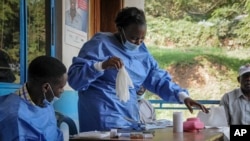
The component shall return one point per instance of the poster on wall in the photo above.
(76, 22)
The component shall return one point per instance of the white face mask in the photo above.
(128, 45)
(140, 97)
(54, 97)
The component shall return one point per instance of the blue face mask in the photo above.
(46, 102)
(128, 45)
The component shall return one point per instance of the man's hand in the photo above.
(190, 103)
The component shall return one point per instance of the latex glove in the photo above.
(123, 82)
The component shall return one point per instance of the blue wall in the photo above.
(67, 105)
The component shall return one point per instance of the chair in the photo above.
(70, 122)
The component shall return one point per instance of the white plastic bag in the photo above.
(215, 118)
(123, 82)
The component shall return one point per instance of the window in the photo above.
(22, 38)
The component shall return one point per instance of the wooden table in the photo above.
(168, 135)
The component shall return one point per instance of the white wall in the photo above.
(135, 3)
(72, 39)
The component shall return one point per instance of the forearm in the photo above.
(82, 73)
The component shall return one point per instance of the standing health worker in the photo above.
(93, 74)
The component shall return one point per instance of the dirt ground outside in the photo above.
(205, 80)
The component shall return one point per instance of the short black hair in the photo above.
(130, 15)
(46, 69)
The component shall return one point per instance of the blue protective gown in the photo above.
(22, 121)
(99, 108)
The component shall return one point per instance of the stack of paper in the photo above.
(93, 134)
(163, 123)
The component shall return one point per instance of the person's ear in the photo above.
(238, 79)
(45, 87)
(119, 29)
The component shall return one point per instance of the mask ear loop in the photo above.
(44, 96)
(45, 101)
(121, 39)
(121, 32)
(45, 91)
(124, 34)
(51, 90)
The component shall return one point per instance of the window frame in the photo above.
(6, 87)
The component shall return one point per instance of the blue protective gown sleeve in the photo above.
(160, 82)
(22, 121)
(99, 108)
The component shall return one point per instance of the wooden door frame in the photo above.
(102, 15)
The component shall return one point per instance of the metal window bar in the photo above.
(161, 104)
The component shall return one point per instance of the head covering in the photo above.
(244, 69)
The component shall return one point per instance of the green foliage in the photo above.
(36, 26)
(213, 23)
(10, 28)
(180, 33)
(9, 23)
(241, 32)
(166, 57)
(165, 8)
(247, 5)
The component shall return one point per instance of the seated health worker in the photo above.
(28, 113)
(93, 74)
(146, 110)
(237, 102)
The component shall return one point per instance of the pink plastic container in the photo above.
(193, 125)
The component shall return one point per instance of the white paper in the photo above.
(93, 134)
(162, 123)
(226, 132)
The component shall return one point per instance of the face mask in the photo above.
(128, 45)
(54, 97)
(140, 97)
(46, 102)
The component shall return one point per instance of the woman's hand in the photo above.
(113, 62)
(192, 103)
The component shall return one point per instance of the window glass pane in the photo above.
(10, 36)
(9, 41)
(36, 28)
